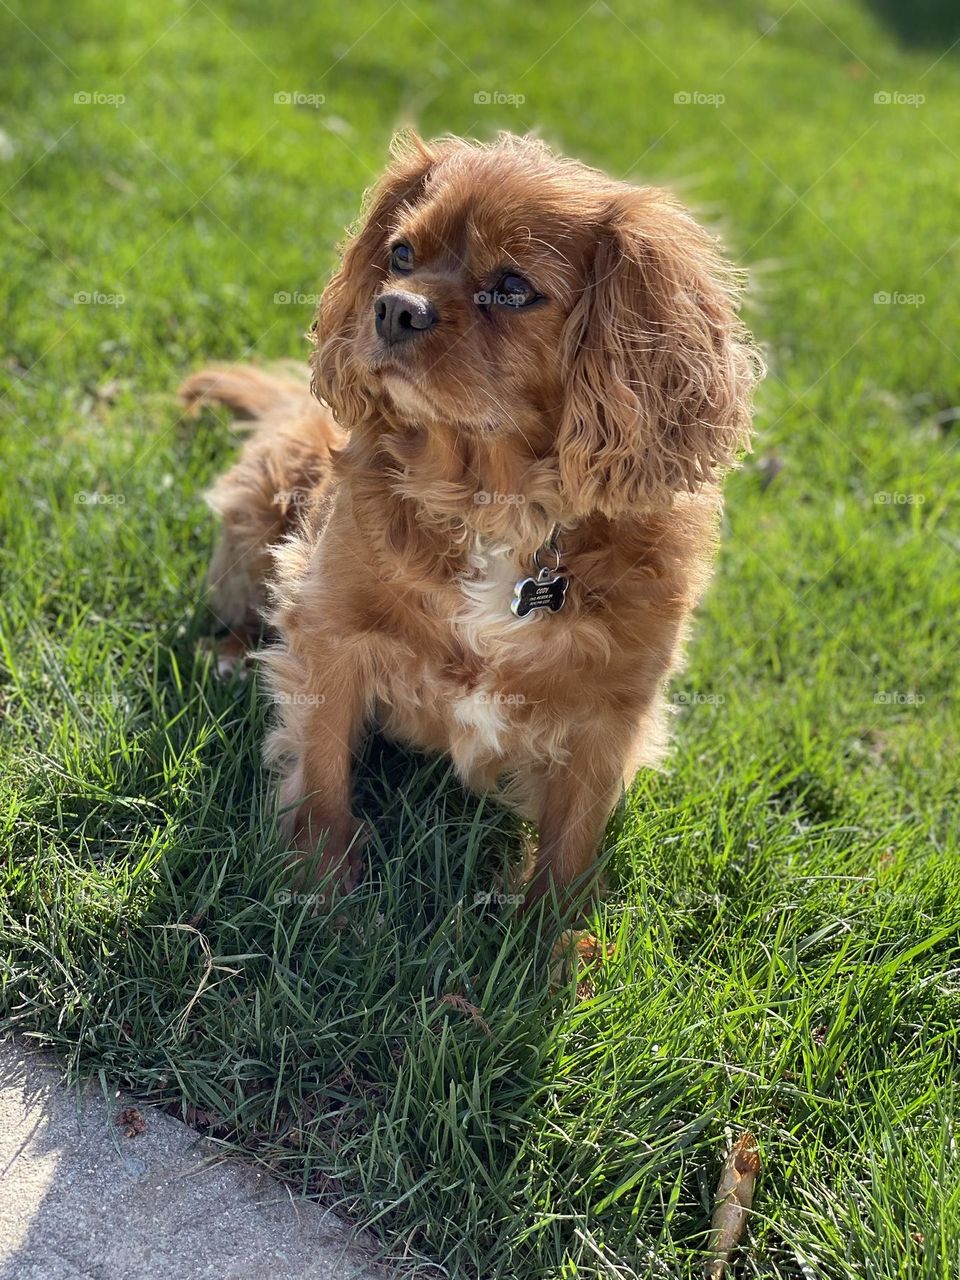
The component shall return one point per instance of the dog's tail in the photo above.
(280, 483)
(249, 392)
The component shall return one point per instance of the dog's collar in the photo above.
(548, 590)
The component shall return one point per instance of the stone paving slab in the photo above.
(79, 1200)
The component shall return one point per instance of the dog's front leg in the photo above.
(321, 698)
(574, 801)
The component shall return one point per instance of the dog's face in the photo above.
(466, 324)
(508, 292)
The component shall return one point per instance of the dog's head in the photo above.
(508, 292)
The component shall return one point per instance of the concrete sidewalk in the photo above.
(79, 1199)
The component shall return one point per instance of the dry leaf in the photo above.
(585, 951)
(131, 1122)
(202, 1118)
(732, 1204)
(462, 1004)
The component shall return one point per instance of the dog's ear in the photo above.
(658, 368)
(336, 378)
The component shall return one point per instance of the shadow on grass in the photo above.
(933, 24)
(394, 1054)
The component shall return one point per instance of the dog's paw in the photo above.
(232, 654)
(326, 865)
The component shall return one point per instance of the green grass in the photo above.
(786, 895)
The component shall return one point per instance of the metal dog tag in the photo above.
(547, 590)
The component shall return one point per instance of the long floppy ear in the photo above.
(659, 370)
(336, 377)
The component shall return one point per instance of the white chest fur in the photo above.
(487, 713)
(485, 622)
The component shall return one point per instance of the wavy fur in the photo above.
(609, 408)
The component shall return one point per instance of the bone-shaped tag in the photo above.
(547, 590)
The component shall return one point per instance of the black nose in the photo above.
(403, 315)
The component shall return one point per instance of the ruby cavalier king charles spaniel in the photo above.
(484, 522)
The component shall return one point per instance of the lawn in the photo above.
(785, 896)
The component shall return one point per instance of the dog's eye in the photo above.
(401, 258)
(514, 291)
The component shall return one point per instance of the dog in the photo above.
(485, 522)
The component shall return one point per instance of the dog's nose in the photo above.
(403, 315)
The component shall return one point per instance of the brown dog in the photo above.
(491, 541)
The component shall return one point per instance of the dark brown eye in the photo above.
(517, 291)
(513, 291)
(401, 258)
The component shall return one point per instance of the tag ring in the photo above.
(549, 545)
